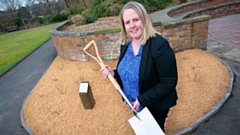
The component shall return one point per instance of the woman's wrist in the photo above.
(111, 72)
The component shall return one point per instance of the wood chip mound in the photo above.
(54, 106)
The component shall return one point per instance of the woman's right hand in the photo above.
(106, 70)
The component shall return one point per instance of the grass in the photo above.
(17, 45)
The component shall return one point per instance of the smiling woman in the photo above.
(133, 24)
(16, 46)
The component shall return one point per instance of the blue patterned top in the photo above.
(128, 70)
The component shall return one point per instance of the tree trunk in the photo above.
(23, 23)
(84, 3)
(68, 6)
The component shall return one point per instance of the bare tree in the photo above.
(7, 15)
(29, 5)
(14, 5)
(84, 3)
(10, 3)
(52, 5)
(30, 2)
(67, 2)
(21, 16)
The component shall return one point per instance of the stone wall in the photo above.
(180, 25)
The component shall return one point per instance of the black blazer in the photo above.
(157, 75)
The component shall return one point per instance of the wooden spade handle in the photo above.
(98, 59)
(100, 62)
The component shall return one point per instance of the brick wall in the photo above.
(219, 11)
(196, 5)
(182, 34)
(181, 37)
(186, 35)
(71, 47)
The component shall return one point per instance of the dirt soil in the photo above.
(54, 105)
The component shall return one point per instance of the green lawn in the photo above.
(15, 46)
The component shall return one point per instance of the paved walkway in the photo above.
(224, 37)
(16, 84)
(224, 43)
(227, 120)
(225, 30)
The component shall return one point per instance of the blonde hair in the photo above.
(148, 31)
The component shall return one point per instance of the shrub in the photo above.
(36, 19)
(103, 8)
(86, 12)
(76, 9)
(56, 18)
(88, 19)
(2, 28)
(15, 21)
(155, 5)
(77, 19)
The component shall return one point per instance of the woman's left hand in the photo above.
(106, 70)
(135, 105)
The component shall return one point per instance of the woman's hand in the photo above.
(106, 70)
(135, 105)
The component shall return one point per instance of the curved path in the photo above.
(224, 42)
(16, 84)
(227, 120)
(225, 30)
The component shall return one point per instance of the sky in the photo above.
(23, 2)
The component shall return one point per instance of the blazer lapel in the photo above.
(122, 51)
(143, 64)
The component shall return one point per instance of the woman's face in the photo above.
(133, 24)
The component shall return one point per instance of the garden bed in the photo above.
(54, 105)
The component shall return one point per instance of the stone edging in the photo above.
(56, 32)
(24, 125)
(162, 15)
(187, 14)
(187, 130)
(215, 109)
